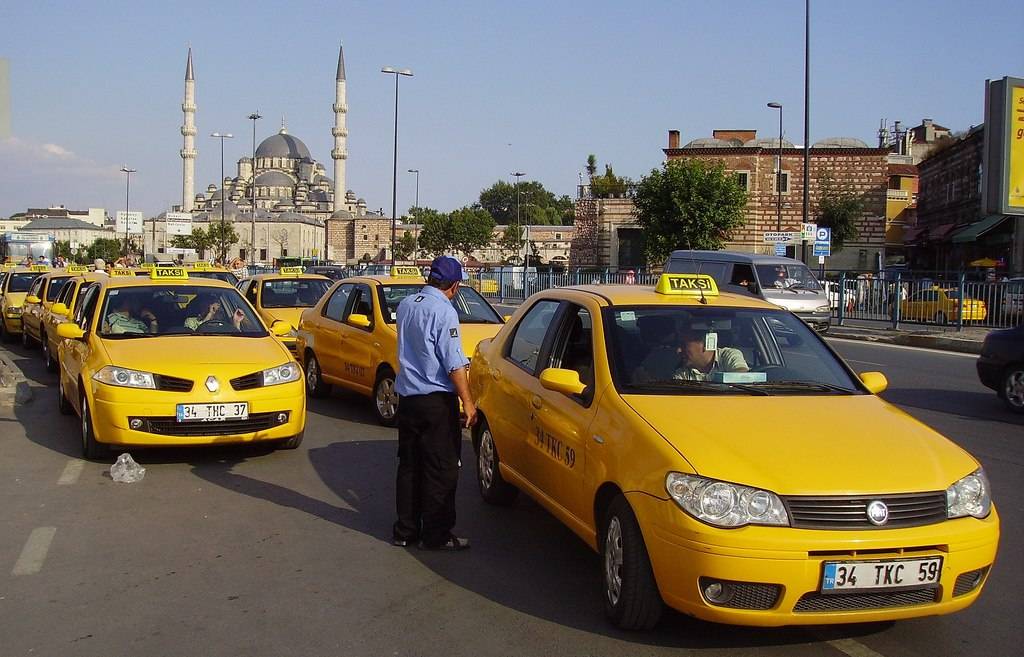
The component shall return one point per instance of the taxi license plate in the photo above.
(213, 412)
(895, 574)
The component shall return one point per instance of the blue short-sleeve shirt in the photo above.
(429, 343)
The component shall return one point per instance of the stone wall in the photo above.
(950, 183)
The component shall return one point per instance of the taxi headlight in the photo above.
(14, 311)
(281, 374)
(722, 504)
(971, 496)
(124, 377)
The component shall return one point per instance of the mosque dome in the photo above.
(274, 179)
(840, 142)
(283, 145)
(711, 142)
(767, 143)
(341, 214)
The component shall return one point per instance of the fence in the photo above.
(924, 298)
(514, 285)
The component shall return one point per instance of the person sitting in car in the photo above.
(125, 317)
(207, 308)
(698, 362)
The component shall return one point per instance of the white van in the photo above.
(783, 281)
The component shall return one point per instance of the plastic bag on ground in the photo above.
(126, 471)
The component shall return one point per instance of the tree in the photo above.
(511, 241)
(689, 204)
(536, 204)
(472, 229)
(436, 235)
(199, 239)
(222, 237)
(591, 166)
(62, 248)
(609, 185)
(405, 247)
(281, 238)
(839, 210)
(107, 248)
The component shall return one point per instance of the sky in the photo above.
(530, 86)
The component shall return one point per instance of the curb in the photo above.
(14, 389)
(926, 341)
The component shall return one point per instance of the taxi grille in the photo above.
(811, 602)
(169, 426)
(968, 581)
(172, 383)
(248, 382)
(850, 512)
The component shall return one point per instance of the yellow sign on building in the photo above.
(1015, 186)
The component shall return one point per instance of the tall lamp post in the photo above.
(778, 172)
(807, 119)
(254, 117)
(415, 217)
(394, 176)
(223, 191)
(127, 188)
(519, 224)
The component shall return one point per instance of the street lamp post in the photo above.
(394, 175)
(519, 223)
(415, 217)
(223, 191)
(254, 117)
(127, 188)
(778, 172)
(807, 120)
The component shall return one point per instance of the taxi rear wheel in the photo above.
(631, 598)
(51, 363)
(63, 404)
(26, 339)
(293, 442)
(1013, 388)
(940, 318)
(5, 335)
(493, 488)
(91, 449)
(315, 385)
(385, 399)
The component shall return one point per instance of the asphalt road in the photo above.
(232, 551)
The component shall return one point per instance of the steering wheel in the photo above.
(217, 326)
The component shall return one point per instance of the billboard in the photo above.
(179, 223)
(128, 222)
(1003, 159)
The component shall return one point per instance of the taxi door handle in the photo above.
(537, 401)
(376, 345)
(495, 374)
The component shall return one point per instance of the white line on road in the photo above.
(865, 362)
(34, 553)
(868, 343)
(853, 648)
(71, 472)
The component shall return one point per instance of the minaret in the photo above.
(188, 131)
(339, 154)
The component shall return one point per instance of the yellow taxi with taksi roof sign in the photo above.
(41, 295)
(144, 363)
(284, 296)
(13, 290)
(349, 338)
(723, 460)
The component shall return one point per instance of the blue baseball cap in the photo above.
(446, 269)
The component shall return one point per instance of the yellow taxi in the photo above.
(195, 270)
(284, 296)
(349, 338)
(143, 363)
(724, 461)
(62, 308)
(13, 290)
(41, 295)
(941, 305)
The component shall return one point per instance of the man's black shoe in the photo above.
(453, 544)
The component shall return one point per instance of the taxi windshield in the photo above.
(707, 350)
(468, 303)
(293, 292)
(56, 285)
(21, 282)
(225, 276)
(155, 310)
(787, 277)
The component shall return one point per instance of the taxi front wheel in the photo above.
(385, 399)
(493, 488)
(63, 403)
(293, 442)
(631, 598)
(91, 449)
(315, 385)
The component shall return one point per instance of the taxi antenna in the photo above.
(697, 266)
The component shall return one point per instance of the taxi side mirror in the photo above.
(280, 329)
(875, 382)
(360, 321)
(32, 299)
(70, 331)
(506, 318)
(566, 382)
(59, 309)
(752, 288)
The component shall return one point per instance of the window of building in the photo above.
(784, 178)
(242, 254)
(284, 252)
(743, 178)
(263, 254)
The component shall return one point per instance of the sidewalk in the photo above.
(967, 341)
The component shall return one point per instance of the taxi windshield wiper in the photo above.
(121, 336)
(813, 386)
(701, 387)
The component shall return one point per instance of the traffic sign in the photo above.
(823, 241)
(128, 222)
(823, 234)
(178, 223)
(780, 249)
(771, 237)
(809, 231)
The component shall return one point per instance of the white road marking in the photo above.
(853, 648)
(71, 472)
(869, 343)
(34, 553)
(865, 362)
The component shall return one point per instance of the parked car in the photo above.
(1001, 366)
(942, 305)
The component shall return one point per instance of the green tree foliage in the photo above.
(591, 166)
(464, 231)
(405, 246)
(839, 210)
(609, 185)
(436, 232)
(63, 248)
(511, 242)
(106, 248)
(688, 204)
(198, 240)
(537, 205)
(222, 237)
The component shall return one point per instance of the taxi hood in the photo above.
(472, 334)
(165, 354)
(290, 315)
(806, 445)
(15, 299)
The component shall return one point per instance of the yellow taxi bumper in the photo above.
(125, 416)
(12, 324)
(775, 573)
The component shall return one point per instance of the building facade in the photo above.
(81, 234)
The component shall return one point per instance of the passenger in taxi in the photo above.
(698, 362)
(125, 317)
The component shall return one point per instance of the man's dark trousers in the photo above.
(429, 445)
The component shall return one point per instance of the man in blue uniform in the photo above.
(432, 378)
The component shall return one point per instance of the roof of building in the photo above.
(902, 170)
(283, 145)
(341, 63)
(711, 142)
(274, 179)
(59, 223)
(769, 142)
(189, 75)
(839, 142)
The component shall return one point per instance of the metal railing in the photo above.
(514, 285)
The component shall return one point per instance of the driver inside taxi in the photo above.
(208, 309)
(698, 362)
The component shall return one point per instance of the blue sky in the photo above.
(498, 87)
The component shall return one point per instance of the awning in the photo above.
(940, 232)
(911, 234)
(977, 229)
